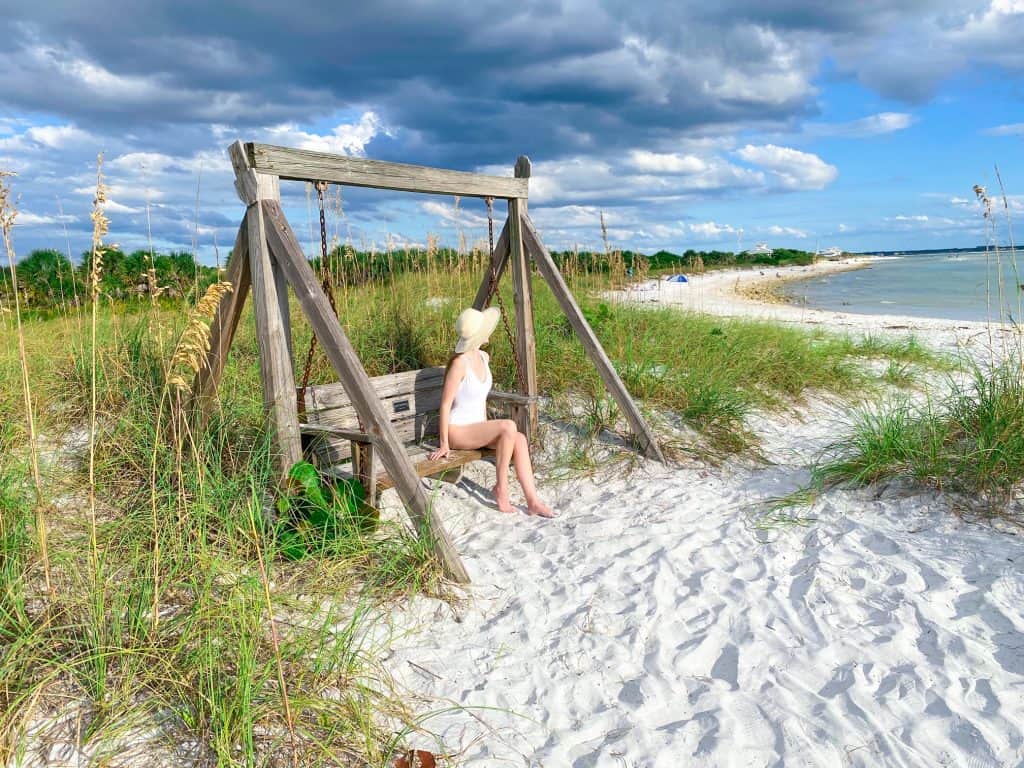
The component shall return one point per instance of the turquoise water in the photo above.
(942, 285)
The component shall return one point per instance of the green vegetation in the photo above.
(970, 442)
(48, 280)
(698, 260)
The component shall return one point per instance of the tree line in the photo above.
(47, 278)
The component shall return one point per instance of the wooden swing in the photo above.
(330, 427)
(371, 420)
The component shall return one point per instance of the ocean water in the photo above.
(952, 286)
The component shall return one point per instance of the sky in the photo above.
(798, 123)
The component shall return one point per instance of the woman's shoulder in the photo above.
(457, 365)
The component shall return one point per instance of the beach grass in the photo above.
(968, 441)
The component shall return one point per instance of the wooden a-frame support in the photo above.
(267, 258)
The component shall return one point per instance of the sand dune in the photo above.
(656, 624)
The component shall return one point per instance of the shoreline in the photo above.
(769, 289)
(753, 294)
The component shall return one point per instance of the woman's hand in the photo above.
(440, 453)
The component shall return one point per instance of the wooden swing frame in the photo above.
(267, 259)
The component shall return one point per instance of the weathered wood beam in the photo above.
(272, 332)
(495, 269)
(526, 345)
(346, 363)
(305, 165)
(645, 437)
(223, 327)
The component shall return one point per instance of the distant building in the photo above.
(761, 249)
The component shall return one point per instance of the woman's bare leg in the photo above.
(510, 446)
(524, 471)
(498, 434)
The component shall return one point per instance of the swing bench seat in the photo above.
(333, 438)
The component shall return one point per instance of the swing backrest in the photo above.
(412, 399)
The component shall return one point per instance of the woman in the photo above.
(463, 419)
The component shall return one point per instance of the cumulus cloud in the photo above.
(450, 215)
(792, 168)
(711, 230)
(39, 138)
(29, 219)
(344, 139)
(921, 222)
(665, 162)
(779, 231)
(865, 127)
(1009, 129)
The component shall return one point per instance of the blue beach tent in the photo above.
(677, 279)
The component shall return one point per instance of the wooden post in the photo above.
(336, 345)
(272, 335)
(364, 469)
(591, 345)
(222, 329)
(526, 345)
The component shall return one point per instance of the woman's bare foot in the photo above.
(502, 498)
(540, 509)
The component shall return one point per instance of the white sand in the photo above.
(653, 624)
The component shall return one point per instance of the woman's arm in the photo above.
(456, 373)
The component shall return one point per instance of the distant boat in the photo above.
(829, 253)
(761, 249)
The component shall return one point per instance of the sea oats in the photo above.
(194, 343)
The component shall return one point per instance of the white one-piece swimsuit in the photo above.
(470, 405)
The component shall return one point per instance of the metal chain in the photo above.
(497, 294)
(325, 283)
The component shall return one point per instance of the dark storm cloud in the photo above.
(578, 86)
(470, 77)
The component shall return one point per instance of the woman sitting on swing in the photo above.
(463, 419)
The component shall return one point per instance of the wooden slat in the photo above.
(398, 407)
(223, 327)
(327, 430)
(495, 269)
(512, 397)
(305, 165)
(427, 468)
(591, 345)
(411, 431)
(336, 345)
(321, 396)
(526, 346)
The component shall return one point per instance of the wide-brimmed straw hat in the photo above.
(475, 327)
